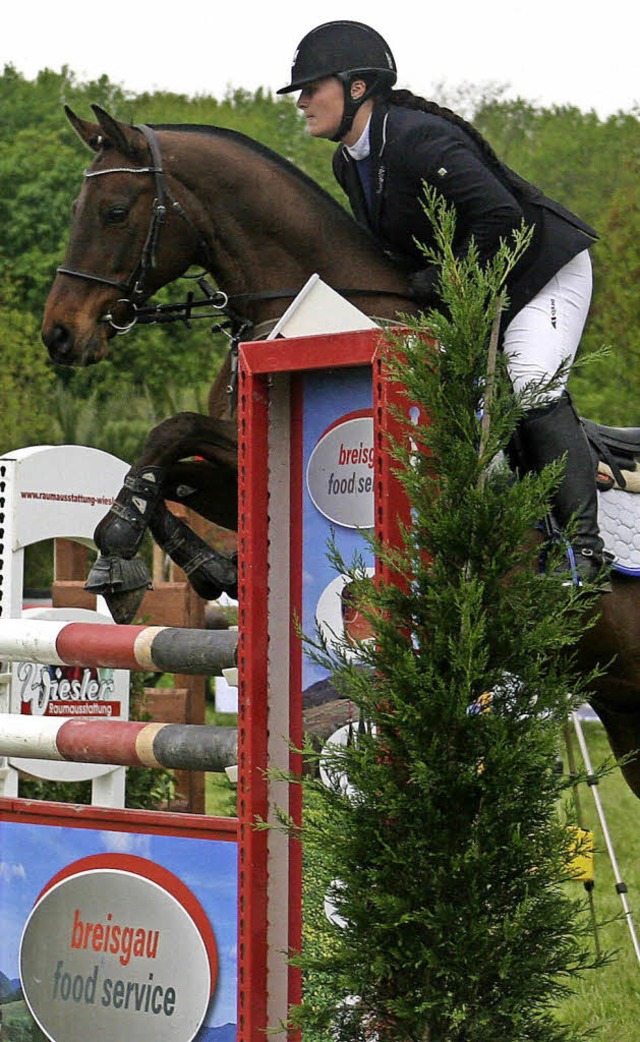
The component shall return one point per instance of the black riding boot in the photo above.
(545, 435)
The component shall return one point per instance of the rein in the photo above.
(183, 311)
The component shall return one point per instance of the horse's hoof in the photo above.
(121, 530)
(123, 607)
(211, 574)
(113, 573)
(122, 583)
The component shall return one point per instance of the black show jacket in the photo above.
(410, 147)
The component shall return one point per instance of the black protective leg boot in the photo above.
(546, 435)
(209, 572)
(122, 529)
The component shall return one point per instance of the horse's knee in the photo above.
(171, 439)
(172, 429)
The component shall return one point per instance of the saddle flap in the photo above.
(622, 442)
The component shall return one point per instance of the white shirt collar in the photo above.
(362, 147)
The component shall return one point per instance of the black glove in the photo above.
(423, 286)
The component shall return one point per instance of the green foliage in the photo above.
(573, 156)
(588, 164)
(450, 853)
(616, 312)
(26, 382)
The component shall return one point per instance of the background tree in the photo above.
(27, 383)
(613, 398)
(587, 163)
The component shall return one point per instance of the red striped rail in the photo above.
(190, 747)
(160, 649)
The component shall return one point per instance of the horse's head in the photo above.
(119, 249)
(219, 200)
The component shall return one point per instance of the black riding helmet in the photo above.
(346, 50)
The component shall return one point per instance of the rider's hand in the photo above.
(422, 286)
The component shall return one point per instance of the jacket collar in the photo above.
(378, 142)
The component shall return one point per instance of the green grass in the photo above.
(605, 1001)
(219, 793)
(18, 1025)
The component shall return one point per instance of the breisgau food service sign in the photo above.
(118, 947)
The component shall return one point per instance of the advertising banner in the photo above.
(338, 500)
(112, 930)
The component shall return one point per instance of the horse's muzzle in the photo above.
(65, 348)
(59, 342)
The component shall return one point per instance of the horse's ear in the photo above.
(124, 138)
(87, 132)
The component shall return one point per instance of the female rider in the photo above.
(391, 143)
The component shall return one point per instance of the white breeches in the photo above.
(544, 336)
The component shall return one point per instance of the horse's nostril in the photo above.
(59, 342)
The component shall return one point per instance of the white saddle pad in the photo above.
(619, 521)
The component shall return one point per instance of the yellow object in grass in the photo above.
(581, 864)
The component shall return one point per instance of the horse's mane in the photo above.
(267, 153)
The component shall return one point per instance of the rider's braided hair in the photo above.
(514, 182)
(406, 99)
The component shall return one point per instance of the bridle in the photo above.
(134, 289)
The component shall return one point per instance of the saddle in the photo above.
(616, 453)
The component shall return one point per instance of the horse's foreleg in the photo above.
(207, 489)
(209, 572)
(121, 530)
(117, 574)
(123, 582)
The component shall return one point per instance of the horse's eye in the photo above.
(116, 214)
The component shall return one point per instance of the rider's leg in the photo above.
(540, 344)
(546, 434)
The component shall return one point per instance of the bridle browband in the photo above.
(134, 289)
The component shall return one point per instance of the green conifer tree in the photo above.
(441, 833)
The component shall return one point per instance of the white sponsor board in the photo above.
(118, 948)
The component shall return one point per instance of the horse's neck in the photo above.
(269, 230)
(221, 404)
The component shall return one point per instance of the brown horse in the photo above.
(175, 196)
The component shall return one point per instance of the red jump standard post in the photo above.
(314, 412)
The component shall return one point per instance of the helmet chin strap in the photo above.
(351, 105)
